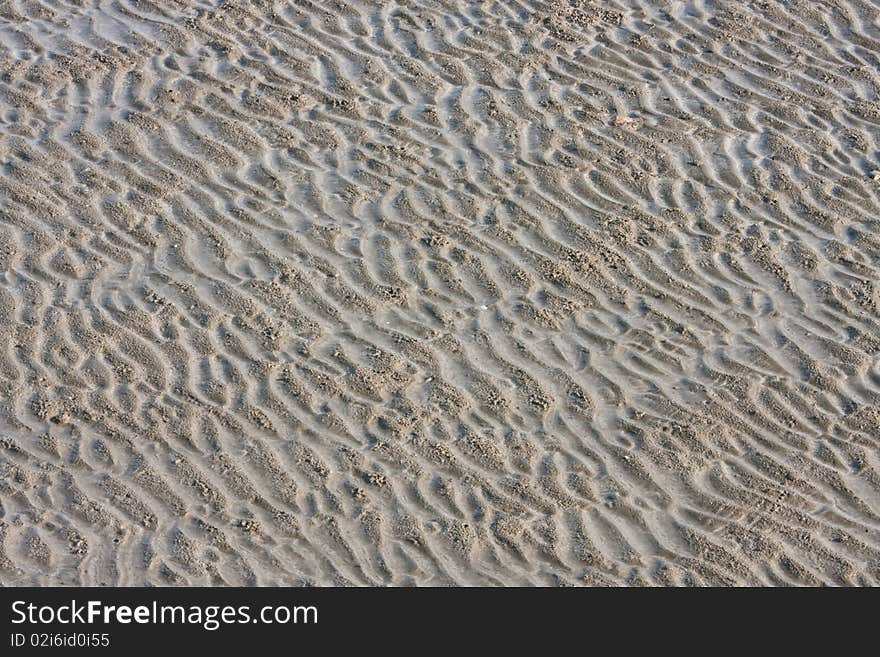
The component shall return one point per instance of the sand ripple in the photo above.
(439, 292)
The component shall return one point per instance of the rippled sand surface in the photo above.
(439, 292)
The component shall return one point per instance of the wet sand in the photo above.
(439, 293)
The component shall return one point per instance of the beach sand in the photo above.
(436, 292)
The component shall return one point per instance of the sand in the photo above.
(435, 292)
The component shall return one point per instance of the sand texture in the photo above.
(436, 292)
